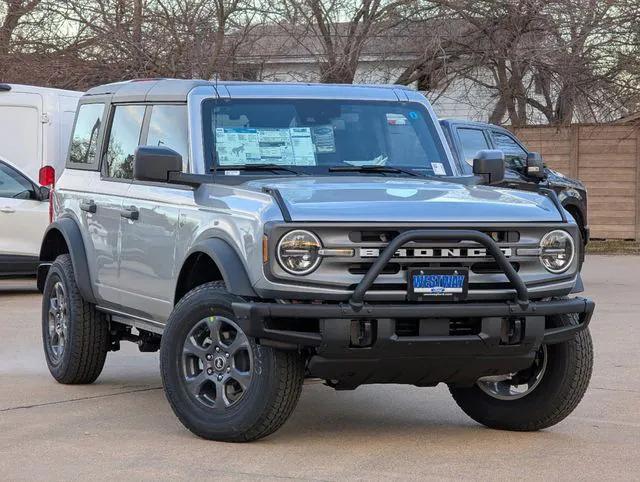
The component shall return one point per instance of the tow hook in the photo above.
(512, 331)
(362, 333)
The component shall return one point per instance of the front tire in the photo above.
(74, 334)
(220, 383)
(556, 384)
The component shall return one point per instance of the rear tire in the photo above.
(562, 386)
(237, 398)
(75, 335)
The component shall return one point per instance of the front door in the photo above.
(515, 160)
(23, 220)
(147, 256)
(471, 140)
(149, 234)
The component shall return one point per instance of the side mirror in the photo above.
(490, 165)
(155, 164)
(535, 166)
(43, 193)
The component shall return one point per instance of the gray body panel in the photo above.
(134, 265)
(396, 199)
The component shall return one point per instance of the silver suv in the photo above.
(260, 234)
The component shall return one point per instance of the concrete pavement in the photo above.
(121, 427)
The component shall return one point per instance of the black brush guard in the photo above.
(254, 317)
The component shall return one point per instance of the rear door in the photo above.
(23, 219)
(108, 196)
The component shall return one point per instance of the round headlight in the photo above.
(556, 251)
(298, 252)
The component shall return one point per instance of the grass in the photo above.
(616, 246)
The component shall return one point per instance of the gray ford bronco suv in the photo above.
(259, 234)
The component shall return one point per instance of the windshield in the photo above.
(314, 136)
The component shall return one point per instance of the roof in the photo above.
(177, 90)
(471, 123)
(34, 89)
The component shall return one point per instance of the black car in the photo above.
(466, 138)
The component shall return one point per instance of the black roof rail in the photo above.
(5, 87)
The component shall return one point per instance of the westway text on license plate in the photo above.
(438, 283)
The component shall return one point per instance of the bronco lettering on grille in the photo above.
(433, 252)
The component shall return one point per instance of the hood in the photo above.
(558, 179)
(379, 199)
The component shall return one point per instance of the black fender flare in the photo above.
(229, 263)
(70, 231)
(568, 202)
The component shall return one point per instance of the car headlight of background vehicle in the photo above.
(298, 252)
(557, 251)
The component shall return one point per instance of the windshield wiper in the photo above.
(381, 169)
(256, 167)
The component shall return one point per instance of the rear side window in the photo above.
(124, 136)
(168, 127)
(82, 152)
(472, 140)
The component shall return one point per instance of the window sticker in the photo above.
(303, 148)
(237, 145)
(244, 145)
(413, 115)
(323, 139)
(438, 169)
(396, 119)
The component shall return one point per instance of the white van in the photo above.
(35, 126)
(35, 129)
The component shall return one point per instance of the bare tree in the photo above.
(13, 13)
(585, 68)
(156, 38)
(334, 33)
(557, 58)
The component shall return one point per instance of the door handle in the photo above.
(130, 212)
(7, 209)
(88, 206)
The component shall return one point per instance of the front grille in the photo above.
(407, 327)
(491, 268)
(393, 268)
(367, 242)
(372, 236)
(464, 327)
(362, 268)
(385, 236)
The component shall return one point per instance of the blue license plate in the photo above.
(451, 283)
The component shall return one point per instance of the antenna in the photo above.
(214, 154)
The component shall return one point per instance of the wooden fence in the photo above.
(607, 159)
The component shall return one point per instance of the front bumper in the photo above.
(432, 355)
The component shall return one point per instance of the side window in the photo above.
(123, 140)
(168, 127)
(514, 155)
(472, 140)
(85, 135)
(14, 185)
